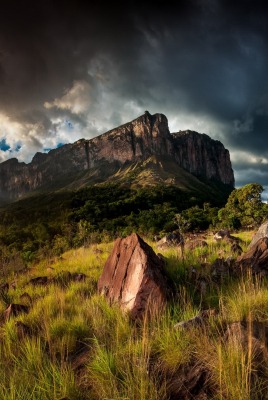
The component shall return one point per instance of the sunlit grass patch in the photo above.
(249, 296)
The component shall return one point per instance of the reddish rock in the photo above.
(134, 277)
(256, 258)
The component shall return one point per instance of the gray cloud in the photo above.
(203, 64)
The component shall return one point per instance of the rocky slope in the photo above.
(99, 158)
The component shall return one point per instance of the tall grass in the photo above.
(78, 346)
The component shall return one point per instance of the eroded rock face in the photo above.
(255, 259)
(134, 277)
(102, 156)
(203, 156)
(260, 234)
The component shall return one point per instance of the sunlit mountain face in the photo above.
(71, 71)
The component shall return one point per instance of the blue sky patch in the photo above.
(4, 146)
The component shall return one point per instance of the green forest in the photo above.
(49, 224)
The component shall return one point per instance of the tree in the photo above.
(244, 207)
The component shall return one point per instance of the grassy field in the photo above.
(73, 345)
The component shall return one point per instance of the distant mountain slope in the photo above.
(140, 152)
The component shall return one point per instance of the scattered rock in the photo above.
(39, 280)
(220, 235)
(14, 310)
(65, 277)
(199, 320)
(251, 336)
(260, 234)
(78, 277)
(220, 270)
(255, 259)
(195, 244)
(172, 239)
(242, 330)
(190, 381)
(225, 235)
(134, 277)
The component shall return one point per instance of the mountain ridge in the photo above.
(101, 157)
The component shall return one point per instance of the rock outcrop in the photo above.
(134, 277)
(104, 155)
(260, 234)
(255, 259)
(203, 156)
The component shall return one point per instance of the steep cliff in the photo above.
(97, 159)
(202, 156)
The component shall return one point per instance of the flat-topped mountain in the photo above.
(108, 156)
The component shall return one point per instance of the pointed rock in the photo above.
(134, 277)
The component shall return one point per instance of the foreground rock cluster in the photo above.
(134, 277)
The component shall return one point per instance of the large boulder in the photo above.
(256, 258)
(261, 233)
(134, 277)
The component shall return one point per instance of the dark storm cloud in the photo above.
(202, 63)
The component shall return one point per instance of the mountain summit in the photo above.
(138, 144)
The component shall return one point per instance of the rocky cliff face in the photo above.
(135, 141)
(202, 156)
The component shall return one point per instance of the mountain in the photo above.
(138, 152)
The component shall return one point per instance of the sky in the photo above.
(70, 70)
